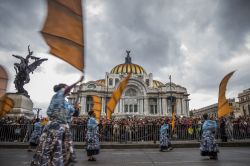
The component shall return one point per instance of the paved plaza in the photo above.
(229, 156)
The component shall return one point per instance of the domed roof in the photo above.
(128, 67)
(156, 83)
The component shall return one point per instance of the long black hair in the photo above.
(59, 86)
(205, 116)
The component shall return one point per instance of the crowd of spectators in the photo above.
(20, 120)
(185, 121)
(130, 128)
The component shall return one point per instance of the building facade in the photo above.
(143, 95)
(212, 110)
(244, 102)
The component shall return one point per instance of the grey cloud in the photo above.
(20, 22)
(64, 68)
(233, 22)
(154, 31)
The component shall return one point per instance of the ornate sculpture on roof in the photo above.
(128, 58)
(23, 70)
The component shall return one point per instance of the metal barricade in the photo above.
(122, 133)
(15, 133)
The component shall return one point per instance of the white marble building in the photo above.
(143, 96)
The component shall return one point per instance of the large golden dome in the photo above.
(128, 67)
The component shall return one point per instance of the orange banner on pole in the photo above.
(223, 105)
(173, 117)
(63, 31)
(97, 107)
(116, 96)
(6, 105)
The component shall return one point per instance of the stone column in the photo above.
(164, 106)
(121, 106)
(143, 106)
(185, 107)
(103, 106)
(146, 107)
(83, 106)
(178, 106)
(181, 102)
(159, 106)
(139, 107)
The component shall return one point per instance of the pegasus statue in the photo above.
(23, 70)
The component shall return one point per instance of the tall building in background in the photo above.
(143, 96)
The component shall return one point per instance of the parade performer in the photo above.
(92, 137)
(165, 143)
(53, 148)
(71, 111)
(35, 136)
(208, 145)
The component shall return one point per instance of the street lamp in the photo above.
(171, 98)
(37, 111)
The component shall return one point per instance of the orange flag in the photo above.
(3, 81)
(6, 104)
(116, 96)
(97, 107)
(223, 105)
(173, 118)
(63, 31)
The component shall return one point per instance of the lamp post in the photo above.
(37, 111)
(106, 97)
(171, 96)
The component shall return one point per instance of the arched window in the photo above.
(153, 106)
(126, 108)
(89, 103)
(117, 81)
(110, 81)
(130, 92)
(135, 108)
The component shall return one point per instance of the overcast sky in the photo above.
(196, 41)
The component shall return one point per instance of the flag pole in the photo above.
(83, 2)
(106, 97)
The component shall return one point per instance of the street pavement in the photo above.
(228, 156)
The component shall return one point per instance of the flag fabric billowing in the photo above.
(173, 117)
(116, 96)
(6, 104)
(97, 107)
(3, 81)
(63, 31)
(223, 105)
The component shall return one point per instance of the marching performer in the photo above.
(208, 145)
(165, 143)
(92, 137)
(53, 148)
(35, 136)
